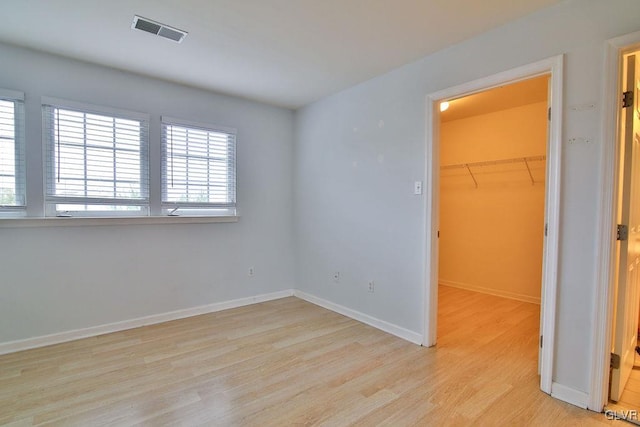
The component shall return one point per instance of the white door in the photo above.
(628, 295)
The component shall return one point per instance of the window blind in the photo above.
(12, 155)
(198, 168)
(97, 163)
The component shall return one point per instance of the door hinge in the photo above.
(627, 99)
(615, 361)
(541, 341)
(546, 229)
(549, 113)
(622, 232)
(438, 234)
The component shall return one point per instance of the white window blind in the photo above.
(198, 169)
(97, 161)
(12, 156)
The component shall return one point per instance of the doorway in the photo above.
(624, 379)
(492, 188)
(605, 298)
(553, 68)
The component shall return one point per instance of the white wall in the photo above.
(63, 278)
(358, 152)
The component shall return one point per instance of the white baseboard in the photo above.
(569, 395)
(390, 328)
(25, 344)
(489, 291)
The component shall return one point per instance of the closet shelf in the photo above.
(470, 165)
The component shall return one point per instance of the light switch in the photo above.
(417, 187)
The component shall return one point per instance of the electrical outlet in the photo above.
(251, 271)
(372, 286)
(336, 277)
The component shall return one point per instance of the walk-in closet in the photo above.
(492, 190)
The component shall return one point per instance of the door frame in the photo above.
(554, 67)
(604, 300)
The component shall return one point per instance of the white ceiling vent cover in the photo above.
(162, 30)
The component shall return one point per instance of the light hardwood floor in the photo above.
(288, 362)
(630, 399)
(631, 395)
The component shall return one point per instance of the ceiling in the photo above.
(283, 52)
(499, 98)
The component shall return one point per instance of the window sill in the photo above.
(136, 220)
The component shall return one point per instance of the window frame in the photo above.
(49, 106)
(36, 211)
(18, 210)
(211, 209)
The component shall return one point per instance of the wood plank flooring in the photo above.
(629, 404)
(288, 362)
(631, 395)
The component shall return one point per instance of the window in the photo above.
(97, 164)
(96, 161)
(198, 169)
(12, 157)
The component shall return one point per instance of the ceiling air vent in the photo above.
(162, 30)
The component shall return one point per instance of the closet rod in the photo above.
(495, 162)
(468, 166)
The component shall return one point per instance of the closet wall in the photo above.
(491, 235)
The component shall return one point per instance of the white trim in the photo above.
(553, 66)
(93, 108)
(552, 207)
(12, 95)
(431, 227)
(166, 120)
(569, 395)
(490, 291)
(390, 328)
(22, 222)
(29, 343)
(604, 292)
